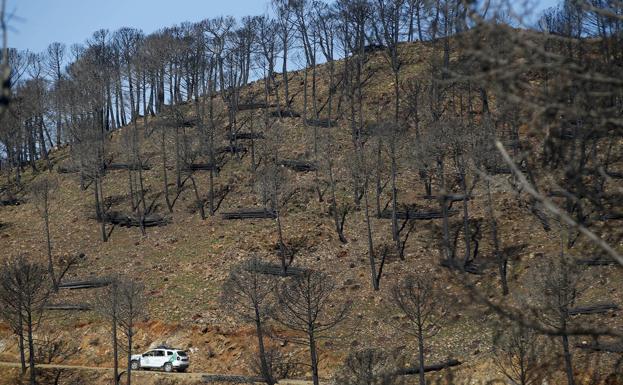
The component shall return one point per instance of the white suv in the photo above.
(165, 358)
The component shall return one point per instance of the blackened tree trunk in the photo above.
(31, 346)
(420, 340)
(499, 256)
(568, 359)
(313, 356)
(259, 330)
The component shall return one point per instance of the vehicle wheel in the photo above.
(168, 367)
(135, 365)
(182, 370)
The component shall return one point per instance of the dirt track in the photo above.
(190, 376)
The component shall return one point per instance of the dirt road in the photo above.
(189, 376)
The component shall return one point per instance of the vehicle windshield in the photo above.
(182, 354)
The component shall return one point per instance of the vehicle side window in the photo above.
(159, 353)
(169, 353)
(148, 354)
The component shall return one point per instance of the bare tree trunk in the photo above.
(22, 355)
(31, 349)
(568, 360)
(262, 350)
(395, 234)
(46, 217)
(198, 200)
(336, 216)
(314, 357)
(502, 261)
(468, 248)
(133, 113)
(115, 349)
(129, 355)
(178, 165)
(285, 73)
(421, 352)
(371, 257)
(379, 187)
(99, 208)
(163, 149)
(282, 245)
(448, 256)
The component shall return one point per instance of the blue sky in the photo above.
(37, 23)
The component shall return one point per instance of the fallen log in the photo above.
(429, 368)
(231, 149)
(574, 133)
(128, 166)
(557, 194)
(277, 270)
(250, 214)
(245, 136)
(285, 114)
(417, 215)
(325, 123)
(611, 216)
(67, 307)
(602, 347)
(202, 167)
(88, 284)
(599, 261)
(253, 106)
(67, 169)
(373, 48)
(298, 165)
(614, 174)
(449, 198)
(470, 268)
(499, 170)
(594, 309)
(125, 220)
(209, 378)
(10, 202)
(189, 123)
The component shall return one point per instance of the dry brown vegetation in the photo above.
(184, 262)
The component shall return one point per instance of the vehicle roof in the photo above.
(159, 348)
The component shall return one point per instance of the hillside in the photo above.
(184, 263)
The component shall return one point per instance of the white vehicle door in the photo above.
(158, 359)
(146, 359)
(170, 357)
